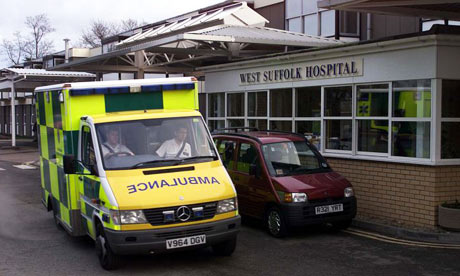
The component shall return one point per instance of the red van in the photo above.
(283, 179)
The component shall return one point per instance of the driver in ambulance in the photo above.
(112, 147)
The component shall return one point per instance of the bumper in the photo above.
(154, 241)
(300, 214)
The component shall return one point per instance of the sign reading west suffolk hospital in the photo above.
(304, 71)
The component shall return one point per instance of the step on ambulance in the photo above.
(132, 165)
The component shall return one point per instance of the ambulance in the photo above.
(132, 165)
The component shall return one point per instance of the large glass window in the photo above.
(373, 136)
(450, 140)
(235, 105)
(247, 156)
(281, 103)
(311, 130)
(310, 24)
(338, 101)
(295, 24)
(257, 104)
(216, 124)
(259, 124)
(281, 125)
(411, 139)
(372, 100)
(308, 101)
(235, 122)
(412, 98)
(327, 23)
(349, 23)
(293, 8)
(339, 134)
(216, 105)
(308, 6)
(450, 99)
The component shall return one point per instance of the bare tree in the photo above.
(39, 26)
(100, 29)
(128, 24)
(14, 49)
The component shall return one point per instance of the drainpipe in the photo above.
(66, 41)
(369, 26)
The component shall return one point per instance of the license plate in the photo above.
(184, 242)
(329, 209)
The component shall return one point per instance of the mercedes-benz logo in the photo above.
(183, 213)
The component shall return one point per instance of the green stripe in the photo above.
(62, 187)
(57, 206)
(133, 101)
(51, 143)
(71, 142)
(57, 118)
(89, 210)
(41, 108)
(91, 188)
(46, 175)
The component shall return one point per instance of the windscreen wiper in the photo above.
(175, 162)
(200, 157)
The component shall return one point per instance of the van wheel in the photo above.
(56, 219)
(276, 223)
(225, 248)
(107, 258)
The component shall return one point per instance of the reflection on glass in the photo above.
(372, 100)
(259, 124)
(411, 139)
(281, 103)
(450, 140)
(257, 104)
(412, 98)
(373, 135)
(308, 101)
(311, 130)
(338, 134)
(235, 105)
(327, 23)
(216, 105)
(235, 122)
(450, 99)
(337, 101)
(281, 125)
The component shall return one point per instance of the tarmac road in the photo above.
(30, 244)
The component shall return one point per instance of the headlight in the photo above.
(227, 205)
(348, 192)
(128, 217)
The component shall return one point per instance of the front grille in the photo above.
(155, 216)
(184, 233)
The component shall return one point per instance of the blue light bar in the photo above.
(126, 89)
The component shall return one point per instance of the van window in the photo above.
(87, 154)
(247, 155)
(226, 150)
(289, 158)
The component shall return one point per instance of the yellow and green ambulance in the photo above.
(132, 164)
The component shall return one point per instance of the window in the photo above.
(412, 98)
(310, 23)
(216, 124)
(247, 156)
(295, 24)
(372, 100)
(327, 23)
(373, 136)
(450, 119)
(281, 103)
(257, 104)
(216, 105)
(338, 101)
(281, 125)
(349, 23)
(411, 139)
(87, 155)
(235, 104)
(226, 150)
(293, 8)
(339, 134)
(308, 101)
(259, 124)
(309, 6)
(235, 122)
(311, 130)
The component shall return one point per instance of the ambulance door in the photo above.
(88, 181)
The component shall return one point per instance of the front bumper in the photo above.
(154, 241)
(300, 214)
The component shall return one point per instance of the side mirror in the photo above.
(69, 164)
(253, 170)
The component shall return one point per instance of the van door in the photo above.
(253, 189)
(88, 180)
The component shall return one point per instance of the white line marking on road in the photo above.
(25, 167)
(2, 169)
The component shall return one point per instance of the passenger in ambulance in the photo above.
(176, 147)
(112, 145)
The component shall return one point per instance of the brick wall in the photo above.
(397, 193)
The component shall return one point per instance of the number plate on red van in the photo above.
(329, 209)
(187, 241)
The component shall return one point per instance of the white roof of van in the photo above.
(117, 83)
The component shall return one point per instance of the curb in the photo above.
(408, 234)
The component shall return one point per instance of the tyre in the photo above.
(56, 219)
(225, 248)
(276, 224)
(107, 258)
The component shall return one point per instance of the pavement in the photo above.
(25, 152)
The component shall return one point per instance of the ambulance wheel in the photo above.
(107, 258)
(225, 248)
(276, 224)
(56, 219)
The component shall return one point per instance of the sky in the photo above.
(70, 18)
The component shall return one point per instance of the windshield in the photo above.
(154, 142)
(289, 158)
